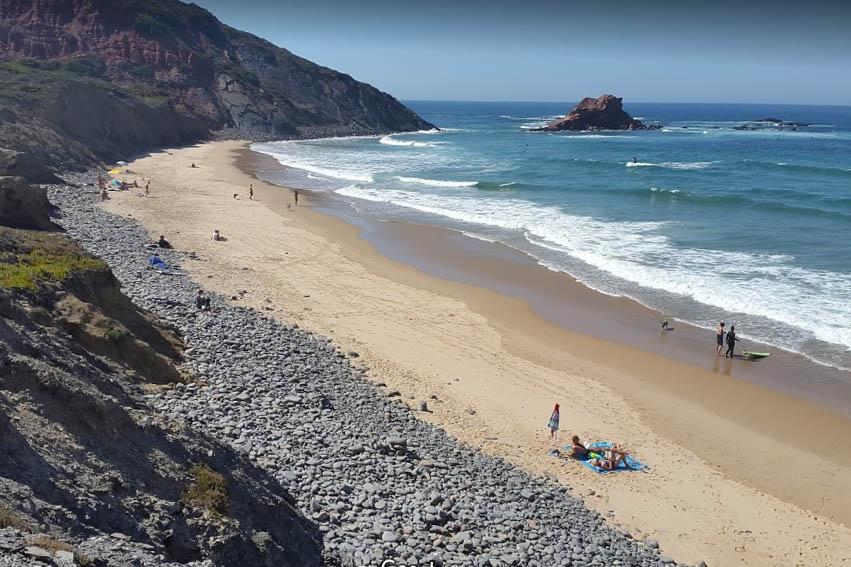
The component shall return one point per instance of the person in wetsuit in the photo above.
(731, 342)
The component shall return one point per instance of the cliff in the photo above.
(89, 473)
(104, 79)
(603, 113)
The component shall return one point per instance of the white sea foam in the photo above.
(581, 136)
(278, 151)
(436, 182)
(640, 253)
(663, 190)
(672, 164)
(391, 141)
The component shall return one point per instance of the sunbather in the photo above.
(611, 459)
(579, 450)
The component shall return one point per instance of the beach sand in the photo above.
(740, 474)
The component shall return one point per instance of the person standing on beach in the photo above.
(719, 338)
(148, 189)
(731, 342)
(251, 191)
(295, 196)
(553, 423)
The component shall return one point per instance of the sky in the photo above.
(747, 51)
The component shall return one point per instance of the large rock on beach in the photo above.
(603, 113)
(23, 205)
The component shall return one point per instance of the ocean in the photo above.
(699, 220)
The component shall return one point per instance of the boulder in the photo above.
(21, 164)
(23, 205)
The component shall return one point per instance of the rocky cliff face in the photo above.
(89, 473)
(604, 113)
(98, 79)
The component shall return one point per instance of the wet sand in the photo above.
(740, 472)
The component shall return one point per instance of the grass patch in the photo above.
(30, 257)
(112, 331)
(50, 544)
(10, 519)
(36, 266)
(208, 490)
(36, 82)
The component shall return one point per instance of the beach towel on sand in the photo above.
(635, 464)
(158, 263)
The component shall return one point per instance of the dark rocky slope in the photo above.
(603, 113)
(90, 80)
(89, 474)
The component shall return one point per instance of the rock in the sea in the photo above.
(604, 113)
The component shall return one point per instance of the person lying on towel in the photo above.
(611, 459)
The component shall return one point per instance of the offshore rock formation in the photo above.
(604, 113)
(96, 80)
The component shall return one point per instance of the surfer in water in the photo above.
(634, 160)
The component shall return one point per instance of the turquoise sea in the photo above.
(700, 220)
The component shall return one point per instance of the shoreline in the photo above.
(715, 446)
(565, 302)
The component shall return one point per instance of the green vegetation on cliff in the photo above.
(29, 258)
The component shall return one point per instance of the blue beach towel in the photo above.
(157, 263)
(634, 464)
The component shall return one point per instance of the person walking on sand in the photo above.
(148, 189)
(553, 423)
(295, 196)
(731, 342)
(719, 338)
(251, 191)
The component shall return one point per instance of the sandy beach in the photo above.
(740, 474)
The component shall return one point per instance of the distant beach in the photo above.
(739, 472)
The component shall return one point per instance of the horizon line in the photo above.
(404, 99)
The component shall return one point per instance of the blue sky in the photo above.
(547, 50)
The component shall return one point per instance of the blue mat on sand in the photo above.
(634, 464)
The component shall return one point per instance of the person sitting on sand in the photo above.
(202, 302)
(579, 450)
(104, 194)
(217, 236)
(163, 243)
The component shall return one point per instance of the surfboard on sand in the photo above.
(756, 355)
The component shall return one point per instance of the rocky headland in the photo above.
(86, 81)
(603, 113)
(265, 410)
